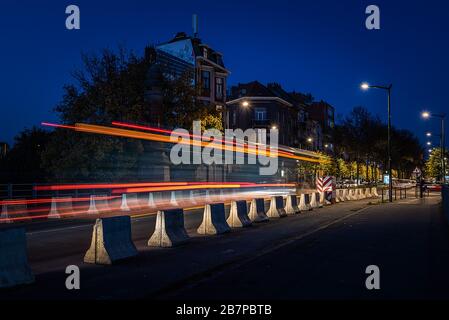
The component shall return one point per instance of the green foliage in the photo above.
(361, 139)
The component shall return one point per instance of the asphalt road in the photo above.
(318, 254)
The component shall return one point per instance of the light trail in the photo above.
(88, 128)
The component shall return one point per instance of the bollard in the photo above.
(257, 211)
(291, 205)
(14, 268)
(238, 215)
(276, 209)
(214, 220)
(111, 241)
(169, 230)
(98, 203)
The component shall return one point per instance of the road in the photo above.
(318, 254)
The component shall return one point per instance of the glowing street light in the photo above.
(365, 86)
(429, 134)
(429, 143)
(274, 128)
(425, 114)
(309, 140)
(245, 104)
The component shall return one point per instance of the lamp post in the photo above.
(365, 86)
(441, 116)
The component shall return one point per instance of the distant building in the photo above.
(253, 105)
(324, 114)
(182, 54)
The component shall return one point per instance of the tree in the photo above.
(432, 168)
(23, 161)
(110, 87)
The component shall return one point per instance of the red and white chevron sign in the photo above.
(324, 184)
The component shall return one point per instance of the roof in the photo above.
(188, 48)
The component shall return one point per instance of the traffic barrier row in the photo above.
(112, 241)
(343, 195)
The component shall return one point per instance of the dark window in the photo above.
(205, 83)
(219, 86)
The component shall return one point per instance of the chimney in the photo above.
(195, 25)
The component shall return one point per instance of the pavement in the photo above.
(321, 254)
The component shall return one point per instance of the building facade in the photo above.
(254, 105)
(323, 113)
(188, 54)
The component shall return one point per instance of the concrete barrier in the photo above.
(169, 230)
(337, 196)
(208, 197)
(318, 200)
(346, 195)
(276, 209)
(60, 205)
(313, 203)
(238, 215)
(192, 197)
(322, 200)
(111, 241)
(361, 194)
(214, 220)
(98, 203)
(374, 192)
(151, 202)
(341, 195)
(173, 200)
(368, 193)
(291, 205)
(124, 205)
(14, 268)
(257, 211)
(303, 206)
(353, 194)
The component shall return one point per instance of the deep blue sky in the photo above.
(316, 46)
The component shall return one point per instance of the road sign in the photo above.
(417, 171)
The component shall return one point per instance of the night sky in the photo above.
(316, 46)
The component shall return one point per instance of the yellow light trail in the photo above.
(89, 128)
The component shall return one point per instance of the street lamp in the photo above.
(245, 104)
(441, 116)
(365, 86)
(429, 143)
(429, 134)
